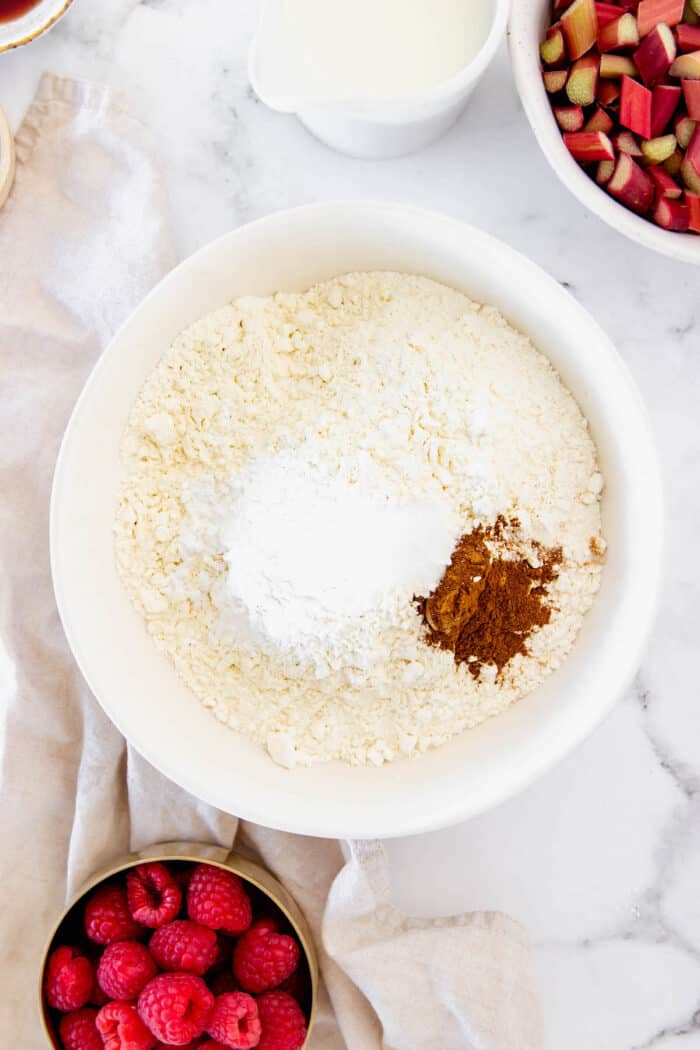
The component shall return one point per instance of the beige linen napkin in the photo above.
(82, 238)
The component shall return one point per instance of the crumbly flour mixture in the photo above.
(298, 468)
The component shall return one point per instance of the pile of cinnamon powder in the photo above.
(491, 597)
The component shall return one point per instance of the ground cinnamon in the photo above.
(490, 597)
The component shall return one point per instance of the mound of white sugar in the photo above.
(317, 564)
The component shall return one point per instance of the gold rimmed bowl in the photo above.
(30, 21)
(268, 897)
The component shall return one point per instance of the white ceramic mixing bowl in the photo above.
(528, 21)
(136, 685)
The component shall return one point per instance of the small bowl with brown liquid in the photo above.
(24, 20)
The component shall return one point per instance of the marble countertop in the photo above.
(601, 858)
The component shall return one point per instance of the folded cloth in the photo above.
(82, 238)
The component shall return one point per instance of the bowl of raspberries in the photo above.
(180, 950)
(612, 92)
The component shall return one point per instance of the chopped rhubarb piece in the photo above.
(651, 12)
(559, 5)
(587, 146)
(655, 54)
(687, 37)
(690, 165)
(673, 164)
(618, 35)
(656, 151)
(599, 121)
(569, 118)
(608, 92)
(683, 129)
(625, 142)
(635, 107)
(606, 13)
(691, 94)
(687, 66)
(664, 101)
(580, 25)
(604, 171)
(666, 185)
(583, 80)
(617, 66)
(554, 80)
(553, 49)
(631, 185)
(693, 202)
(671, 215)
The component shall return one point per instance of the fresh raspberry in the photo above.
(154, 896)
(283, 1023)
(107, 916)
(216, 898)
(185, 945)
(121, 1028)
(234, 1021)
(78, 1030)
(69, 979)
(211, 1044)
(125, 969)
(263, 958)
(176, 1007)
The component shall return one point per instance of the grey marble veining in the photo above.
(601, 858)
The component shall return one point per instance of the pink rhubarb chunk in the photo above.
(580, 26)
(671, 215)
(587, 146)
(600, 120)
(688, 37)
(617, 66)
(651, 12)
(691, 94)
(583, 81)
(606, 13)
(569, 118)
(631, 185)
(687, 66)
(690, 167)
(655, 54)
(664, 102)
(635, 107)
(693, 202)
(620, 34)
(666, 185)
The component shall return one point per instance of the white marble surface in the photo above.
(601, 859)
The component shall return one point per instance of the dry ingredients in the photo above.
(491, 597)
(421, 413)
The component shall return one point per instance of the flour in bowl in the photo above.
(299, 470)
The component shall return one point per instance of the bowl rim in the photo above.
(524, 54)
(234, 860)
(41, 28)
(521, 774)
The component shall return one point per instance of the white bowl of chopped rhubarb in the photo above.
(612, 92)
